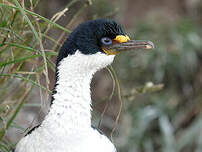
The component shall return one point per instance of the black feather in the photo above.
(86, 38)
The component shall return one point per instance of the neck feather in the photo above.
(72, 101)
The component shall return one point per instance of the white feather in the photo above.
(67, 127)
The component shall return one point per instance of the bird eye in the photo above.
(106, 41)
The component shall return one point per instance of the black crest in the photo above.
(86, 37)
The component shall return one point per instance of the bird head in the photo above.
(98, 41)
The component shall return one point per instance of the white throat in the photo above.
(67, 127)
(72, 104)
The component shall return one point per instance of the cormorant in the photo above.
(67, 127)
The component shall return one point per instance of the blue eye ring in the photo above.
(106, 41)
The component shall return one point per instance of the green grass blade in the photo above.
(26, 79)
(37, 37)
(4, 147)
(18, 60)
(27, 48)
(13, 32)
(22, 47)
(39, 16)
(25, 95)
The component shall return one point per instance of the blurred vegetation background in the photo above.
(160, 89)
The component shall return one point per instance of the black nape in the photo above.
(86, 39)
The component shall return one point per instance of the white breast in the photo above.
(67, 127)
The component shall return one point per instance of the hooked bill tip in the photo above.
(150, 45)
